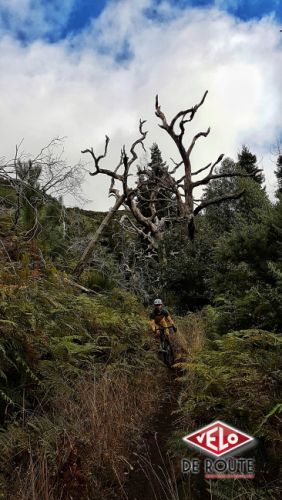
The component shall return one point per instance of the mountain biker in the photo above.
(160, 317)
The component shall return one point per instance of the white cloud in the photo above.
(76, 88)
(33, 18)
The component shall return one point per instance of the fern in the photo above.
(21, 362)
(277, 409)
(3, 375)
(6, 398)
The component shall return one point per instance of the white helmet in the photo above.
(157, 302)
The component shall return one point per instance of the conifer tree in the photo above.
(163, 198)
(248, 162)
(278, 173)
(157, 164)
(223, 217)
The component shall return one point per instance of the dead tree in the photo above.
(185, 185)
(37, 180)
(151, 226)
(79, 268)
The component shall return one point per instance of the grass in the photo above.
(81, 449)
(77, 384)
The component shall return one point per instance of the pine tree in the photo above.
(157, 164)
(155, 183)
(278, 174)
(248, 162)
(223, 217)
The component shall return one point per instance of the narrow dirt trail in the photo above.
(150, 478)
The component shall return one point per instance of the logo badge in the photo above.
(217, 439)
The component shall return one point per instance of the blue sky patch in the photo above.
(58, 19)
(244, 9)
(125, 54)
(255, 9)
(82, 14)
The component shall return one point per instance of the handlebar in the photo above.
(163, 328)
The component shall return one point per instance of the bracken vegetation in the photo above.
(79, 376)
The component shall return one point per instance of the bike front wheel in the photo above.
(168, 355)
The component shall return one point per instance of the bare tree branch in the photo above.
(192, 111)
(43, 176)
(138, 141)
(195, 138)
(177, 165)
(208, 177)
(99, 170)
(220, 176)
(151, 187)
(218, 200)
(201, 169)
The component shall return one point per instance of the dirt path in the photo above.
(151, 476)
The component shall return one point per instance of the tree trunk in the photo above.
(162, 251)
(91, 245)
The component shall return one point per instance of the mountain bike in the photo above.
(166, 347)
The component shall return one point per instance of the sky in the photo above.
(81, 69)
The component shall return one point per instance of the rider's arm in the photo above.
(170, 321)
(152, 325)
(168, 317)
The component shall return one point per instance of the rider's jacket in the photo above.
(160, 318)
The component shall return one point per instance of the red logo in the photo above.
(218, 439)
